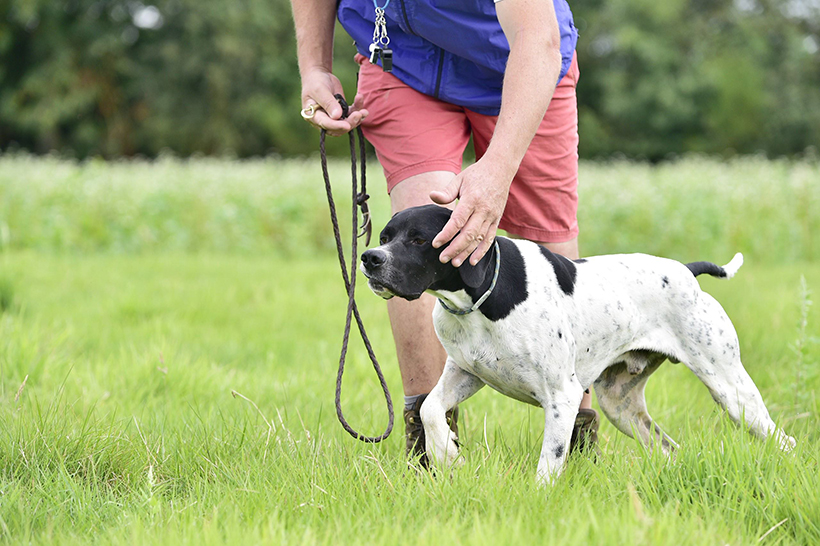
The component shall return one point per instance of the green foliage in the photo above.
(209, 76)
(725, 77)
(95, 77)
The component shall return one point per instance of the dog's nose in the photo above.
(374, 258)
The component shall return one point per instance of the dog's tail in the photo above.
(726, 272)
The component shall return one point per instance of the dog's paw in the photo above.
(785, 442)
(454, 457)
(445, 453)
(545, 480)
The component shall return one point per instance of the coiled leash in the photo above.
(359, 200)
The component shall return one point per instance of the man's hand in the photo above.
(482, 190)
(319, 87)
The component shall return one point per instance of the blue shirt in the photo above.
(453, 50)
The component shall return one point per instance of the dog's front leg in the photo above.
(453, 387)
(560, 411)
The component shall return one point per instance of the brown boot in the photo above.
(414, 431)
(585, 432)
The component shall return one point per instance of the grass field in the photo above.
(135, 297)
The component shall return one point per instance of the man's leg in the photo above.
(420, 142)
(421, 356)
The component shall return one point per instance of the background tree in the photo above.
(121, 77)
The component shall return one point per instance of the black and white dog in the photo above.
(541, 329)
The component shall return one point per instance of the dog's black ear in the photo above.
(475, 275)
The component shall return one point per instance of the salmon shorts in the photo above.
(414, 133)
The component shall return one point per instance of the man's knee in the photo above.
(415, 190)
(568, 249)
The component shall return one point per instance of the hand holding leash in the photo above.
(320, 107)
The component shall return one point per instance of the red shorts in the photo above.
(414, 133)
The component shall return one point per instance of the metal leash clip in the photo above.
(310, 110)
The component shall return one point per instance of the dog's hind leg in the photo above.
(621, 397)
(713, 355)
(453, 387)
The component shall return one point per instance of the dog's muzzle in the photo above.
(372, 262)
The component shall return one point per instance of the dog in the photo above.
(542, 329)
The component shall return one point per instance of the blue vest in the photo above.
(453, 50)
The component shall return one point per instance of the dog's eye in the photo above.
(383, 240)
(419, 241)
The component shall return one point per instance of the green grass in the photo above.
(695, 208)
(125, 430)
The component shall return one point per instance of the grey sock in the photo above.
(410, 401)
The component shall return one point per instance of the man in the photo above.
(459, 68)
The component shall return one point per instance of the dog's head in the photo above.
(406, 264)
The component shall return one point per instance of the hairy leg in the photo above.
(621, 396)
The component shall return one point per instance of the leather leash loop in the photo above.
(359, 199)
(343, 104)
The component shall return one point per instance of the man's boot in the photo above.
(585, 432)
(414, 431)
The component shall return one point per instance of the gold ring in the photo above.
(479, 238)
(310, 110)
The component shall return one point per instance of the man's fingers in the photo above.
(466, 241)
(330, 105)
(475, 245)
(323, 121)
(484, 246)
(459, 217)
(457, 221)
(338, 127)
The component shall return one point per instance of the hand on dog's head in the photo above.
(405, 264)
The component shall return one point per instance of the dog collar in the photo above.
(486, 294)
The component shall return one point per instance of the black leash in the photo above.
(359, 200)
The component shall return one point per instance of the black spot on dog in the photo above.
(560, 335)
(665, 281)
(556, 415)
(564, 270)
(580, 261)
(559, 450)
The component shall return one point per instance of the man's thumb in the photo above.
(448, 194)
(330, 105)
